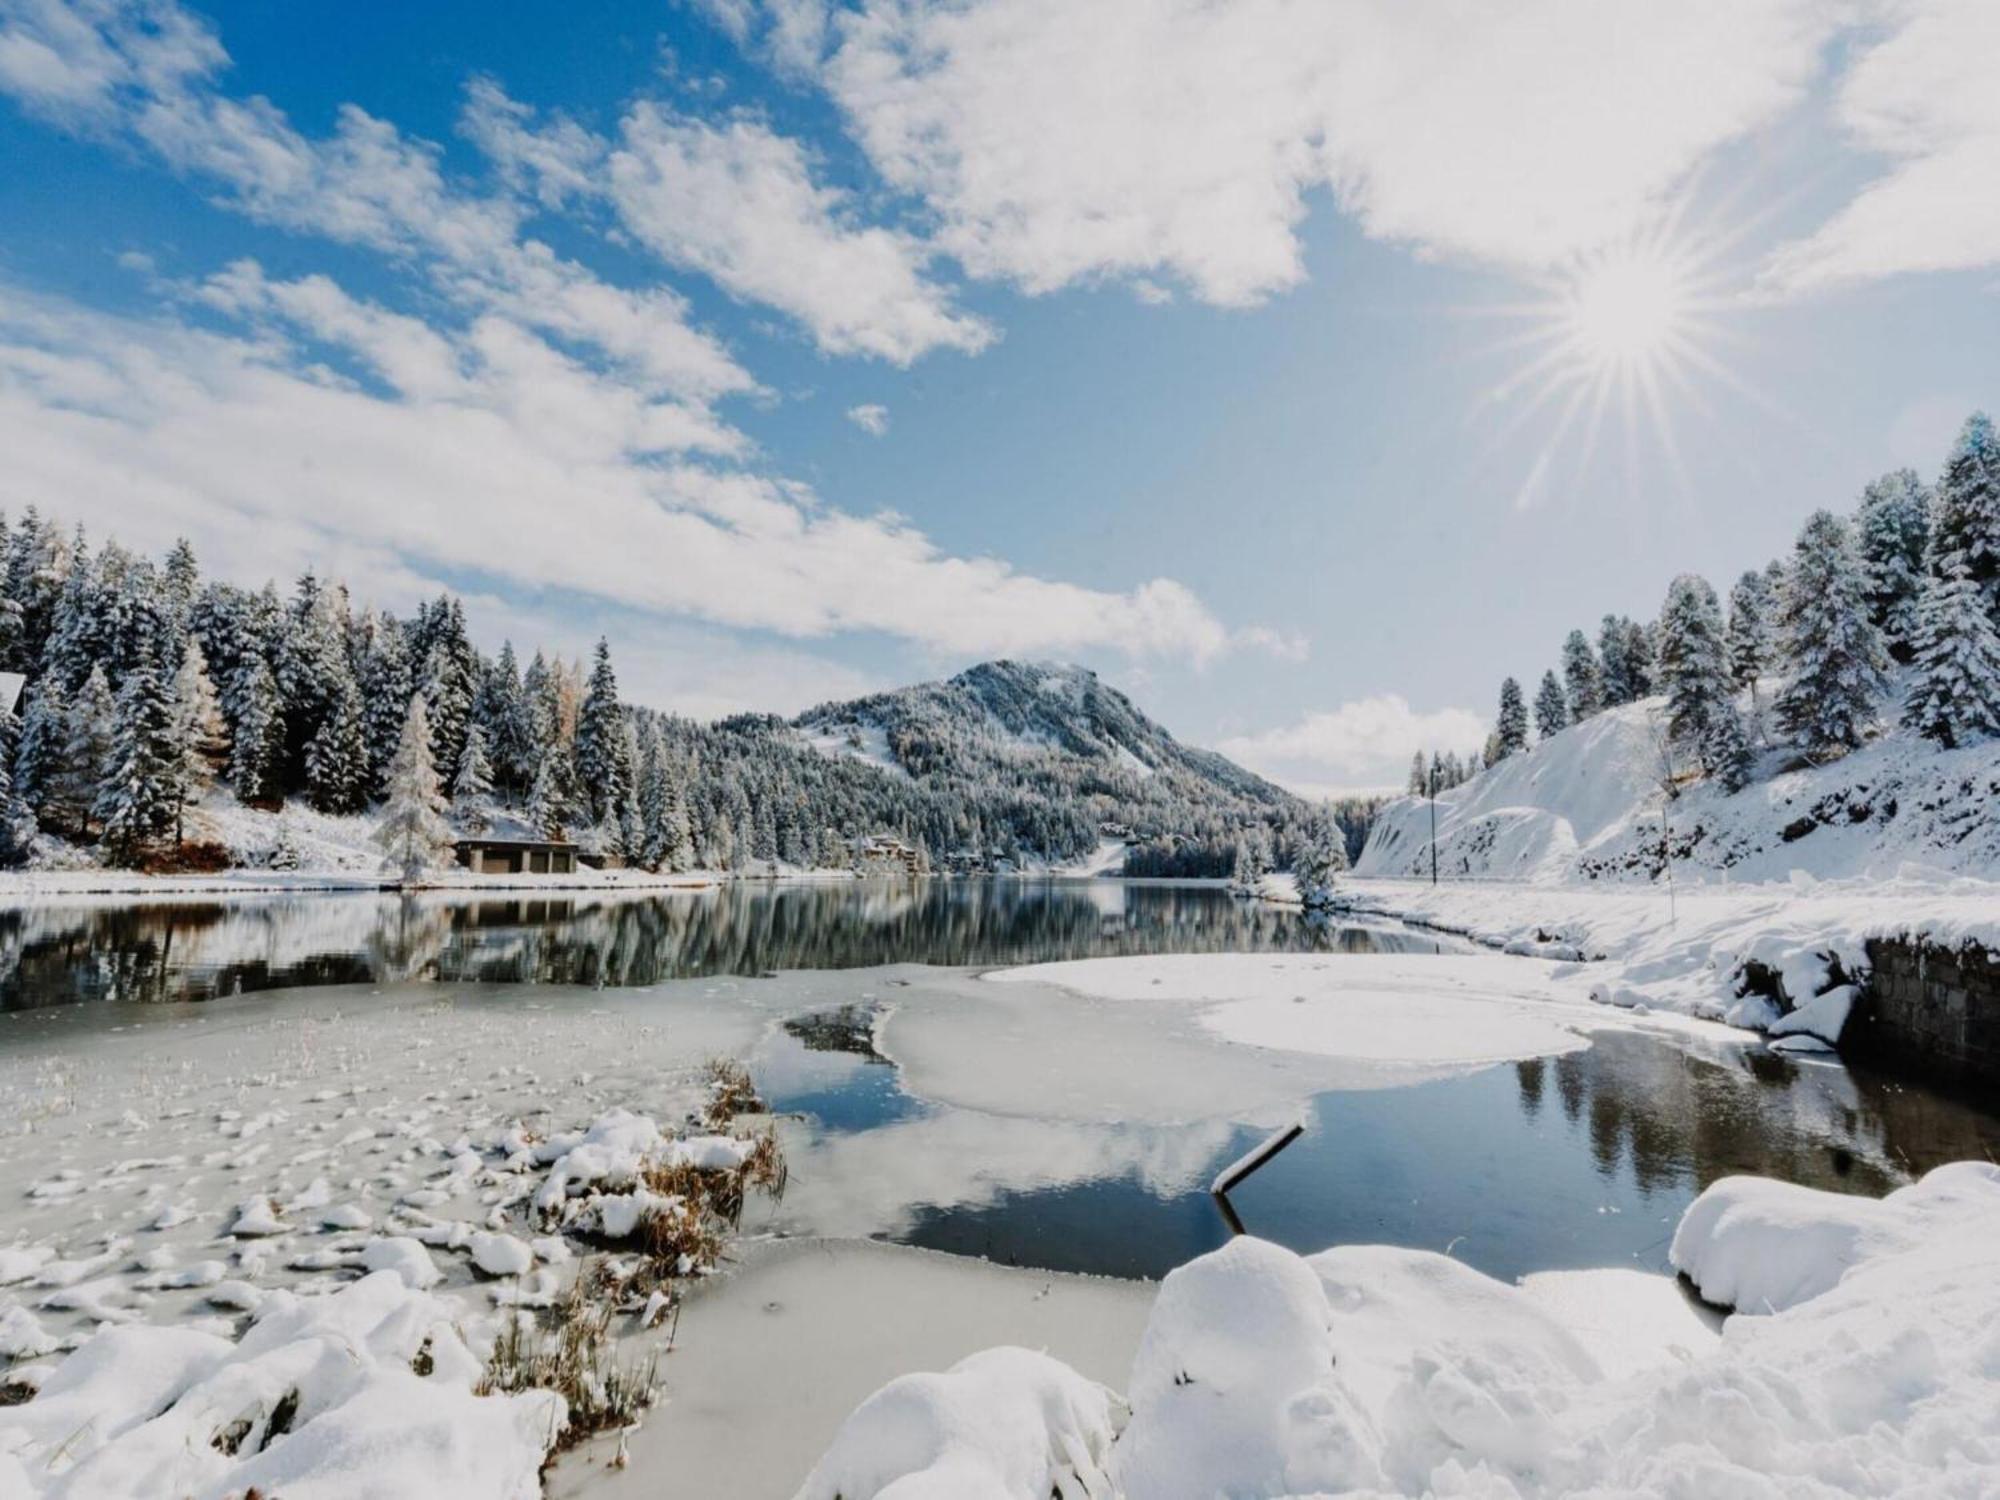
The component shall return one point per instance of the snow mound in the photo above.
(318, 1399)
(1762, 1246)
(1000, 1424)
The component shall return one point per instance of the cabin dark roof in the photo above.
(523, 844)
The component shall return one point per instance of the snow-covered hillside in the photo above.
(1587, 804)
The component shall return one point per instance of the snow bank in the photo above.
(318, 1398)
(1689, 950)
(1387, 1371)
(1763, 1246)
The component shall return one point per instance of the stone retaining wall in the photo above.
(1930, 1011)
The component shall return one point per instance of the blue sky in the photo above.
(807, 349)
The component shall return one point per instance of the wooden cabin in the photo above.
(517, 856)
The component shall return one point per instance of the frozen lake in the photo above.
(1019, 1122)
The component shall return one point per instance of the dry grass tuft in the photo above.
(569, 1350)
(731, 1093)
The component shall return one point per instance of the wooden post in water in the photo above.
(1243, 1166)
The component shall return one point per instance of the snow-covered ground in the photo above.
(1684, 950)
(284, 1231)
(1367, 1369)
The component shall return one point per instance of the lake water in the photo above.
(1581, 1160)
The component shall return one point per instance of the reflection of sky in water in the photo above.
(1583, 1160)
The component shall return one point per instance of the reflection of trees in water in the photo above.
(1676, 1119)
(192, 950)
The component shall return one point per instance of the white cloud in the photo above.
(1928, 96)
(493, 455)
(870, 417)
(148, 71)
(1061, 142)
(1362, 745)
(737, 202)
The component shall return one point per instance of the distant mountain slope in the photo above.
(1005, 731)
(1586, 805)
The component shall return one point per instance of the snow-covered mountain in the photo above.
(1588, 804)
(1007, 729)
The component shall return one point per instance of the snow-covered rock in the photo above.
(500, 1254)
(1000, 1424)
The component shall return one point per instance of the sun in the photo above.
(1624, 338)
(1628, 311)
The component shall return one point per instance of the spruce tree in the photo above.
(257, 743)
(1693, 665)
(337, 779)
(38, 760)
(17, 818)
(1954, 689)
(1835, 654)
(386, 690)
(1551, 707)
(1966, 513)
(472, 784)
(1321, 856)
(509, 726)
(1583, 681)
(546, 810)
(136, 799)
(414, 836)
(1511, 729)
(1892, 531)
(87, 751)
(1614, 671)
(1751, 637)
(598, 738)
(201, 745)
(1726, 748)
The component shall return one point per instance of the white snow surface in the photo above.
(1685, 950)
(1379, 1371)
(1395, 1011)
(172, 1411)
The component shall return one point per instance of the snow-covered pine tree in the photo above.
(1750, 640)
(1726, 748)
(1614, 671)
(1551, 707)
(1583, 681)
(1835, 654)
(87, 751)
(472, 784)
(1693, 665)
(38, 760)
(599, 738)
(201, 744)
(1954, 689)
(1892, 530)
(256, 749)
(337, 755)
(17, 818)
(180, 588)
(1966, 512)
(510, 732)
(311, 661)
(1511, 728)
(413, 835)
(136, 798)
(1321, 857)
(1419, 782)
(386, 690)
(546, 809)
(1641, 659)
